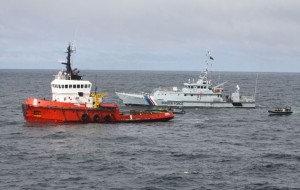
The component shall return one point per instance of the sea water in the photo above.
(206, 148)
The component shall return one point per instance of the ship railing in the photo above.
(142, 112)
(166, 89)
(62, 77)
(137, 93)
(247, 98)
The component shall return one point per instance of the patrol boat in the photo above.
(193, 94)
(72, 101)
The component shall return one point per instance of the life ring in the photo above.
(85, 117)
(107, 118)
(96, 118)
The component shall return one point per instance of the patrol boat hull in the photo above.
(149, 100)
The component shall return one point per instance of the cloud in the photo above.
(121, 31)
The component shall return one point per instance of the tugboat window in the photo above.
(85, 86)
(66, 86)
(78, 85)
(70, 85)
(82, 86)
(74, 85)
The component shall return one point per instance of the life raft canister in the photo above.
(107, 118)
(96, 118)
(85, 117)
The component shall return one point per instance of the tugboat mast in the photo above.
(69, 72)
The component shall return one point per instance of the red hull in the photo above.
(47, 111)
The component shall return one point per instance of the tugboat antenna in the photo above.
(95, 84)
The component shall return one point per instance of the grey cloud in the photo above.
(154, 26)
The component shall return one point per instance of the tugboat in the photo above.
(194, 94)
(72, 101)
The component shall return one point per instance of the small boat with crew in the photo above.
(193, 94)
(286, 110)
(72, 101)
(175, 110)
(178, 110)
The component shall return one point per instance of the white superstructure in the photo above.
(68, 86)
(193, 94)
(74, 91)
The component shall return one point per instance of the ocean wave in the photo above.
(282, 156)
(190, 156)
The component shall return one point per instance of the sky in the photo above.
(167, 35)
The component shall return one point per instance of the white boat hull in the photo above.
(149, 100)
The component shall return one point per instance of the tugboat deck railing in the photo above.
(247, 99)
